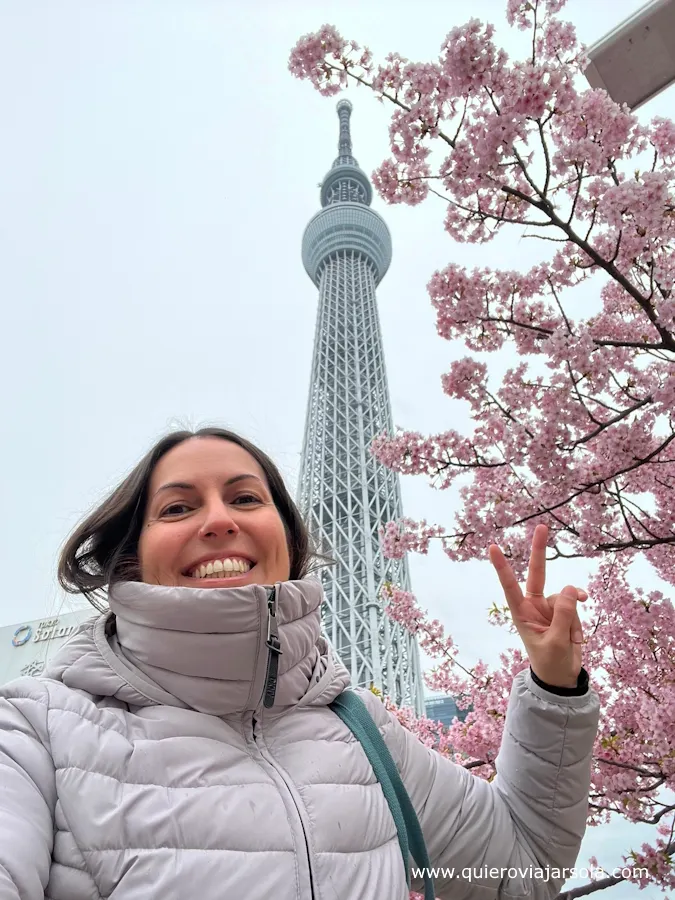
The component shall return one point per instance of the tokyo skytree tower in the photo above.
(344, 494)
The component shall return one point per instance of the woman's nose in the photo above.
(218, 520)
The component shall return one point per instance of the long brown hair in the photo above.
(104, 546)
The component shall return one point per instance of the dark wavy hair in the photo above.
(103, 548)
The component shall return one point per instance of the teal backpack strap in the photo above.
(354, 713)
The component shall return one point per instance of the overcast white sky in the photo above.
(158, 165)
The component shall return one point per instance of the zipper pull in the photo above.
(274, 646)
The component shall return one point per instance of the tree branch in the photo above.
(639, 769)
(601, 884)
(604, 425)
(597, 483)
(609, 267)
(585, 889)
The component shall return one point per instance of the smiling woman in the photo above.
(162, 512)
(210, 516)
(197, 737)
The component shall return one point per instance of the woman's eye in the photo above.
(176, 509)
(245, 499)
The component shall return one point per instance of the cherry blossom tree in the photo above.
(579, 435)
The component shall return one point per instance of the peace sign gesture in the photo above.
(549, 627)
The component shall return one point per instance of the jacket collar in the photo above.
(207, 648)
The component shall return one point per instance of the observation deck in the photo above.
(346, 222)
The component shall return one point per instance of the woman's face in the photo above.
(210, 520)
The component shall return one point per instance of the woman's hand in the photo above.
(549, 627)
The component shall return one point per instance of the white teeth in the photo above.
(222, 568)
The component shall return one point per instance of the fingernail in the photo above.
(577, 637)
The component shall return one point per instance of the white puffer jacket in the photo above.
(144, 765)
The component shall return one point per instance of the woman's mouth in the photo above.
(228, 567)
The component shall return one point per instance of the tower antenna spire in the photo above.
(345, 157)
(345, 181)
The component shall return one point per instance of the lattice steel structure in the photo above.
(344, 494)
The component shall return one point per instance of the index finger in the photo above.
(508, 580)
(536, 571)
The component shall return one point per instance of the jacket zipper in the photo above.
(271, 762)
(269, 692)
(274, 646)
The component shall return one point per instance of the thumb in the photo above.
(564, 613)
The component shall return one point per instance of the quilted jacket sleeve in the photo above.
(27, 791)
(515, 836)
